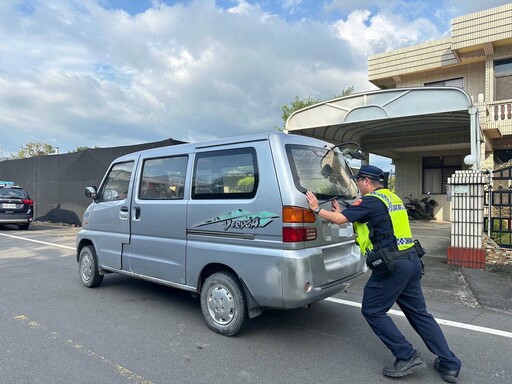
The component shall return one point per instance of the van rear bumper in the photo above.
(321, 292)
(311, 278)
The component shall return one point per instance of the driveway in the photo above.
(490, 288)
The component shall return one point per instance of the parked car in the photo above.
(227, 220)
(16, 206)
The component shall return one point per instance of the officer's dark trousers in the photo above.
(403, 287)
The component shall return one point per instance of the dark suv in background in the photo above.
(16, 206)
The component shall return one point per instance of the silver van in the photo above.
(228, 220)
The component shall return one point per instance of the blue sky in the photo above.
(119, 72)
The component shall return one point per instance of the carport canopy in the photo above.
(394, 121)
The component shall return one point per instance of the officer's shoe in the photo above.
(448, 375)
(405, 367)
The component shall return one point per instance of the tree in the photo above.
(297, 104)
(346, 92)
(81, 148)
(34, 148)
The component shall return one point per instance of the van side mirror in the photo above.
(356, 155)
(91, 192)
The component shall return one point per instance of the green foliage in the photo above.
(391, 182)
(501, 232)
(246, 184)
(34, 148)
(295, 105)
(79, 148)
(346, 92)
(298, 103)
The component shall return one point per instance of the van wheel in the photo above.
(24, 227)
(88, 267)
(223, 303)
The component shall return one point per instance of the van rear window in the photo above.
(324, 172)
(226, 174)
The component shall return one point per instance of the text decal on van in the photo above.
(241, 219)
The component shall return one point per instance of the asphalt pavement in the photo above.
(54, 330)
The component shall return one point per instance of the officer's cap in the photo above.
(371, 172)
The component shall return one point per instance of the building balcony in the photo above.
(496, 118)
(499, 110)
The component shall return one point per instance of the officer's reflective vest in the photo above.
(399, 221)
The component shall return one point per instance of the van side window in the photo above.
(227, 174)
(117, 182)
(164, 178)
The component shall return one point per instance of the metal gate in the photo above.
(498, 220)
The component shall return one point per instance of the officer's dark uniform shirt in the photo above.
(371, 210)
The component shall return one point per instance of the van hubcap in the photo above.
(86, 267)
(221, 304)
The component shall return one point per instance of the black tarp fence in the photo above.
(56, 182)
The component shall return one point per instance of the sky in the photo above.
(103, 73)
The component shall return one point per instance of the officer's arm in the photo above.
(334, 217)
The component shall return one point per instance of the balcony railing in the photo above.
(499, 111)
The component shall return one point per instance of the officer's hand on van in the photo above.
(312, 200)
(335, 205)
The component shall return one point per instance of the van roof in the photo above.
(190, 147)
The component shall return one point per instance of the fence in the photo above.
(56, 182)
(499, 197)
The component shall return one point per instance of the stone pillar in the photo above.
(466, 191)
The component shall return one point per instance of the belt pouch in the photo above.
(381, 262)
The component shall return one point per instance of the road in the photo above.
(54, 330)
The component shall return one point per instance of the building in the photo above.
(477, 57)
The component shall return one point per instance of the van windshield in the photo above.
(322, 171)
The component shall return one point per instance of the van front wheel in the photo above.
(88, 267)
(223, 303)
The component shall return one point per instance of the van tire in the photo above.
(88, 267)
(223, 303)
(23, 227)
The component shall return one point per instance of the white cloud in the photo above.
(75, 73)
(78, 74)
(382, 32)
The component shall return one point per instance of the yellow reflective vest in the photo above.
(399, 221)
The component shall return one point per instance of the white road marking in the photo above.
(38, 241)
(449, 323)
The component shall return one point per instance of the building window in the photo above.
(437, 170)
(503, 79)
(502, 156)
(459, 82)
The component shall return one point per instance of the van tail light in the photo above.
(298, 215)
(28, 201)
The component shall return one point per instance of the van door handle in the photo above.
(136, 213)
(123, 212)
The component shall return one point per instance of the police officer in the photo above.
(382, 226)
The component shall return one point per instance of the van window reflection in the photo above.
(117, 183)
